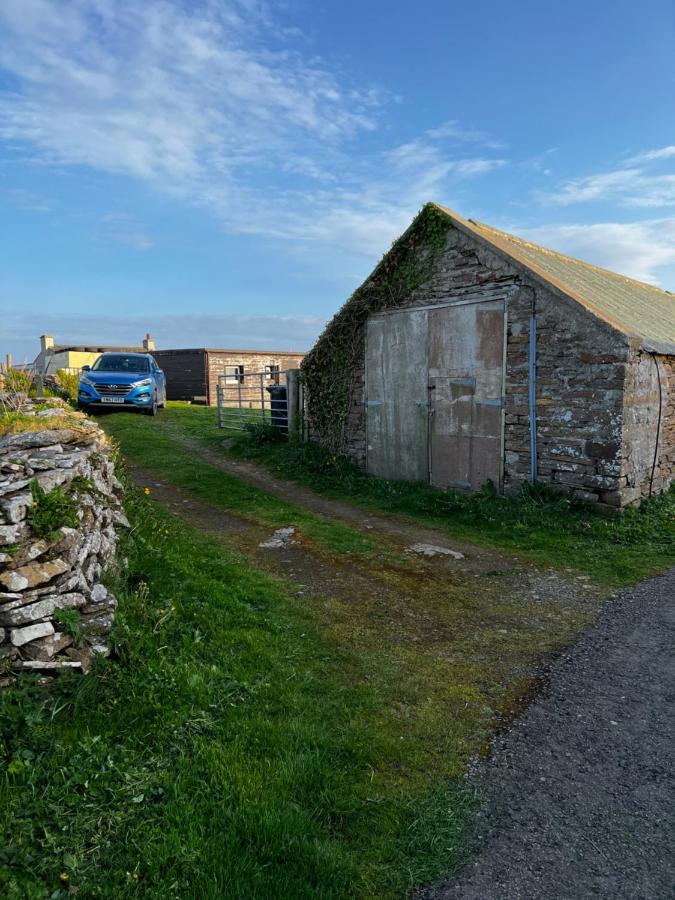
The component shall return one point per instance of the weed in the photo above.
(261, 433)
(51, 511)
(70, 621)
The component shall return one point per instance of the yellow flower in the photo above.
(64, 876)
(146, 491)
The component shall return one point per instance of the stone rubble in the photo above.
(40, 577)
(433, 550)
(281, 538)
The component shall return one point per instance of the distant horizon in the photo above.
(229, 173)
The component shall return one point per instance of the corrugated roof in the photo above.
(633, 307)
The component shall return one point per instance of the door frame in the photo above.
(440, 305)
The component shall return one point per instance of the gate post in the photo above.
(292, 395)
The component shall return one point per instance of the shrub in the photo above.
(67, 384)
(18, 381)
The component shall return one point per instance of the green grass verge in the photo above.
(150, 444)
(231, 749)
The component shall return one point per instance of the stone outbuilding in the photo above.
(471, 355)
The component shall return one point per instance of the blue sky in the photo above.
(226, 172)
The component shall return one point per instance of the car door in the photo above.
(160, 381)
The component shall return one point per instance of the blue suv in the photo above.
(123, 380)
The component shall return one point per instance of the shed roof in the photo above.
(259, 352)
(637, 309)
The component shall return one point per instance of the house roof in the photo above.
(637, 309)
(88, 348)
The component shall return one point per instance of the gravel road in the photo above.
(578, 799)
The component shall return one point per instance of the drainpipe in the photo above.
(532, 393)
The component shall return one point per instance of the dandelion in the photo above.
(64, 876)
(146, 491)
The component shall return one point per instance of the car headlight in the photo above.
(85, 380)
(143, 383)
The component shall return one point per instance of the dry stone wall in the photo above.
(55, 612)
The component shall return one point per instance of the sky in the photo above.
(227, 172)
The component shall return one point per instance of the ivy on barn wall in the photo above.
(329, 369)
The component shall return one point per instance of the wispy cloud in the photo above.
(219, 104)
(453, 131)
(124, 229)
(633, 184)
(653, 155)
(636, 249)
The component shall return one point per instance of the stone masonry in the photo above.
(39, 577)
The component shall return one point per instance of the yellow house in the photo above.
(53, 357)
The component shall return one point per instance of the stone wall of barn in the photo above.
(648, 461)
(55, 611)
(580, 375)
(582, 372)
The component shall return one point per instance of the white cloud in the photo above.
(636, 249)
(212, 102)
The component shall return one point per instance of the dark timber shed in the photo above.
(470, 355)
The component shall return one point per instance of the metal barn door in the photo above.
(396, 396)
(466, 382)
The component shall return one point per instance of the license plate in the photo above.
(112, 399)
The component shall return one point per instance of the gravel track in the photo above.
(578, 798)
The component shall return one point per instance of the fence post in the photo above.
(292, 398)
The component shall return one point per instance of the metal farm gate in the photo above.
(249, 398)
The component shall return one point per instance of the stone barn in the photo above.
(472, 356)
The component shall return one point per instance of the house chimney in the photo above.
(46, 342)
(148, 344)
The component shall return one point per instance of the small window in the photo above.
(234, 374)
(272, 373)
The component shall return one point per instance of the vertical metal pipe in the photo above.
(241, 409)
(532, 392)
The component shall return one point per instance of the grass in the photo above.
(232, 749)
(164, 457)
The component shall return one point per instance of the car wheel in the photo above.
(153, 409)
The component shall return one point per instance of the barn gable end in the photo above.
(596, 388)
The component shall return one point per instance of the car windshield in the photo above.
(121, 362)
